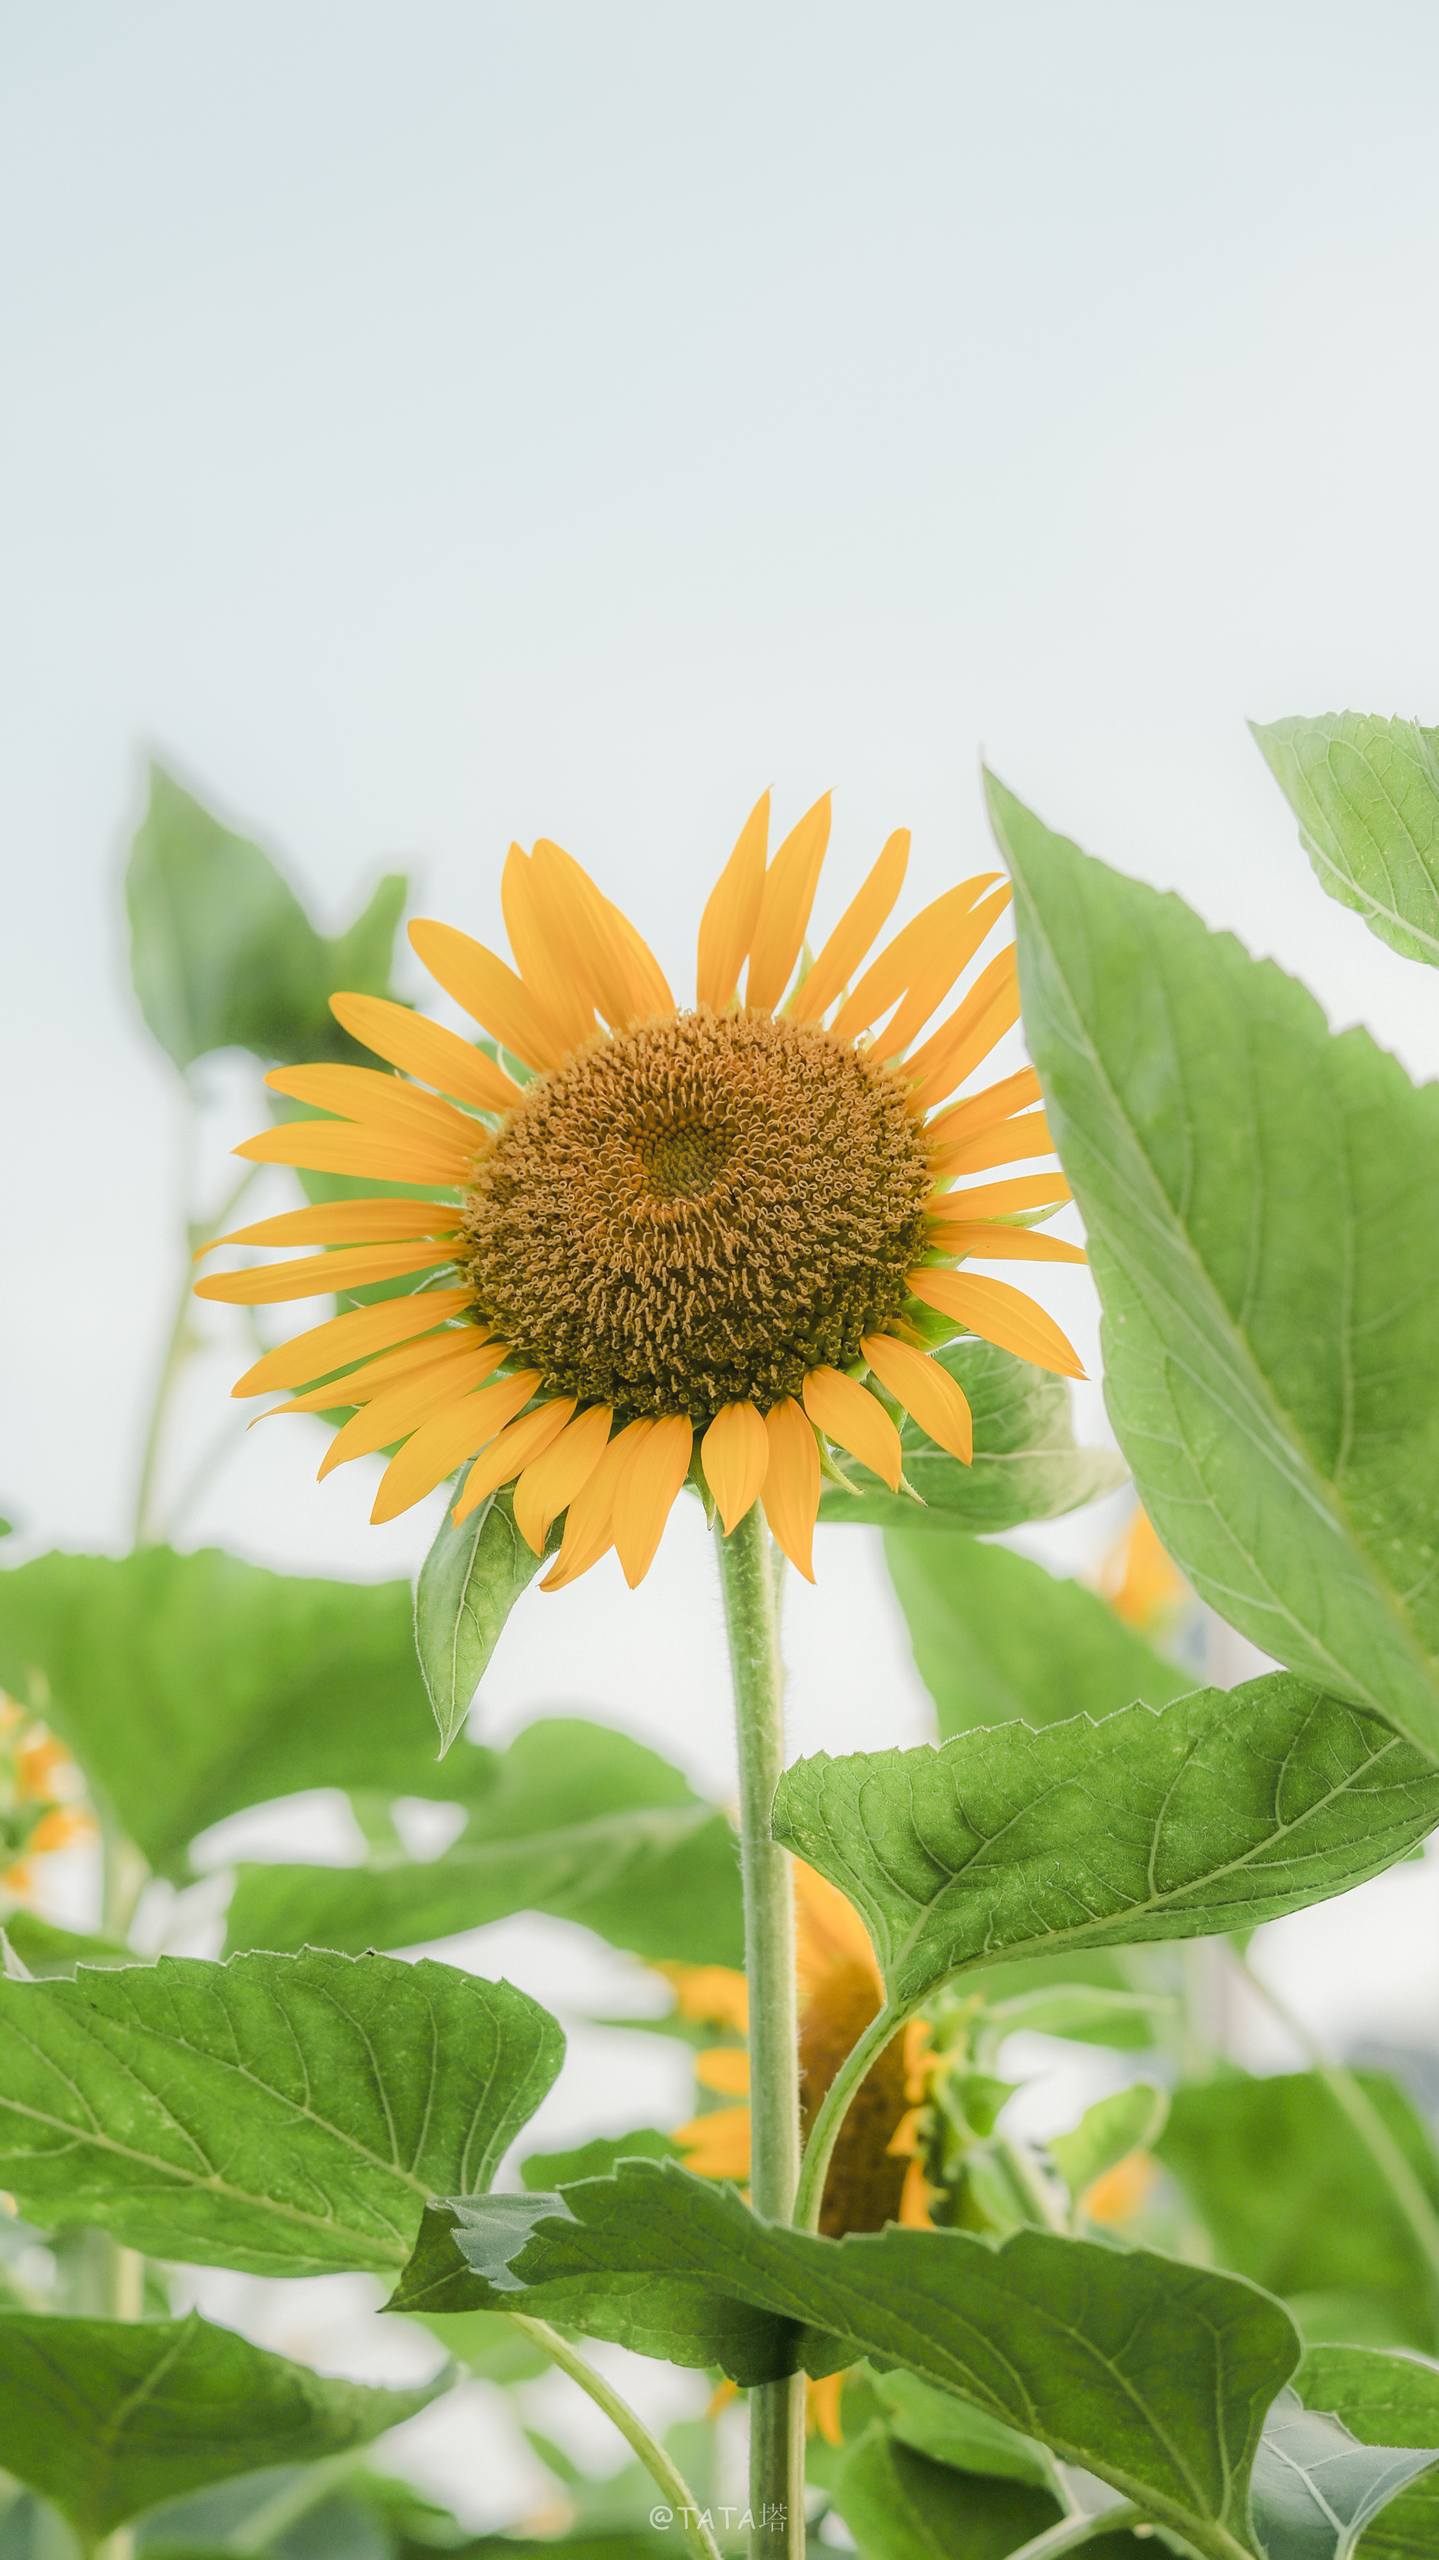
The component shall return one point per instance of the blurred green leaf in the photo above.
(1154, 2375)
(43, 1950)
(1366, 794)
(1288, 2190)
(287, 2115)
(108, 2419)
(996, 1636)
(1027, 1464)
(899, 2505)
(1215, 1812)
(1127, 2120)
(189, 1687)
(1384, 2400)
(580, 1822)
(469, 1583)
(222, 953)
(542, 2171)
(1262, 1207)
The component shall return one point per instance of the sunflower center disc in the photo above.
(698, 1211)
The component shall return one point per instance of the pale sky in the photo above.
(434, 424)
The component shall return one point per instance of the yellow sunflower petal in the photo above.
(348, 1222)
(869, 910)
(711, 1995)
(543, 939)
(362, 1384)
(622, 972)
(735, 1454)
(789, 893)
(845, 1411)
(513, 1449)
(490, 992)
(992, 1240)
(324, 1348)
(914, 2212)
(1006, 1142)
(379, 1101)
(953, 949)
(982, 1111)
(438, 1447)
(590, 1519)
(829, 1933)
(890, 976)
(1000, 1199)
(1001, 1314)
(989, 1010)
(724, 2070)
(647, 1492)
(732, 912)
(822, 2401)
(352, 1267)
(345, 1146)
(791, 1484)
(916, 1380)
(549, 1485)
(410, 1400)
(427, 1050)
(717, 2145)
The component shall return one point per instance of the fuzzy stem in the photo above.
(678, 2497)
(747, 1578)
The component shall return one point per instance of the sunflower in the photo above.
(655, 1233)
(875, 2174)
(38, 1782)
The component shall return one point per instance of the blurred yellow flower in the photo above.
(38, 1785)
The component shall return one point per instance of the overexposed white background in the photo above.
(430, 425)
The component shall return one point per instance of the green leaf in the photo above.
(222, 953)
(289, 2115)
(1127, 2120)
(1027, 1464)
(901, 2506)
(996, 1636)
(1154, 2375)
(1328, 2223)
(41, 1949)
(108, 2419)
(1384, 2400)
(935, 2423)
(1317, 2486)
(1262, 1207)
(580, 1822)
(543, 2171)
(192, 1686)
(469, 1583)
(1213, 1813)
(1366, 794)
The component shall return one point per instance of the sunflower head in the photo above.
(38, 1786)
(704, 1238)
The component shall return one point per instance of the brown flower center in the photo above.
(697, 1212)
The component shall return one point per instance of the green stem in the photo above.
(1354, 2101)
(1035, 2194)
(677, 2496)
(747, 1578)
(1072, 2532)
(834, 2107)
(173, 1356)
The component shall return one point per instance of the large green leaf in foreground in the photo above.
(580, 1822)
(1262, 1207)
(192, 1686)
(1318, 2486)
(996, 1636)
(290, 2115)
(1218, 1811)
(1155, 2375)
(108, 2419)
(1027, 1462)
(1366, 794)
